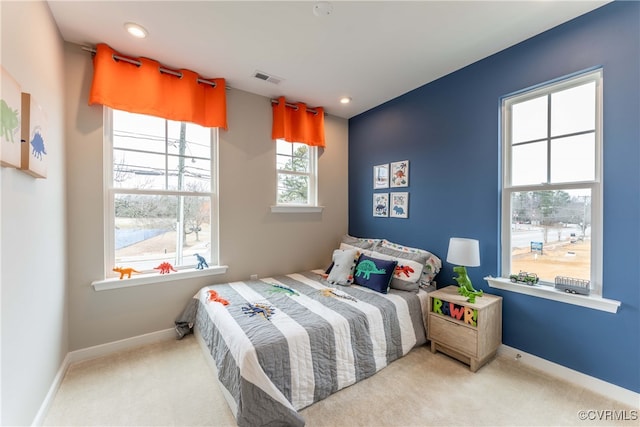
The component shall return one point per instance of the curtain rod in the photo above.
(295, 107)
(138, 63)
(178, 74)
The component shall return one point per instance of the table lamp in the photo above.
(465, 253)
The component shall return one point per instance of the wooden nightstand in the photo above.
(468, 332)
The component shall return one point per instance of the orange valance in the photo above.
(144, 89)
(296, 124)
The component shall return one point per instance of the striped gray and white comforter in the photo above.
(313, 344)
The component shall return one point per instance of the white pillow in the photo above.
(344, 262)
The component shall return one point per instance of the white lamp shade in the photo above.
(464, 252)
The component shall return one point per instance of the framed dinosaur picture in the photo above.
(399, 205)
(399, 174)
(10, 120)
(381, 204)
(381, 176)
(34, 134)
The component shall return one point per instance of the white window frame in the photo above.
(312, 198)
(547, 290)
(111, 281)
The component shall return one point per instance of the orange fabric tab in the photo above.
(145, 89)
(298, 125)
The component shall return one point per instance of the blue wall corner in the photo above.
(448, 129)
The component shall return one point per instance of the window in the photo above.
(552, 187)
(160, 186)
(296, 169)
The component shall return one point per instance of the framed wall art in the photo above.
(34, 134)
(10, 121)
(381, 204)
(381, 176)
(399, 205)
(399, 174)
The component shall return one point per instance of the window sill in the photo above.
(147, 279)
(296, 209)
(591, 301)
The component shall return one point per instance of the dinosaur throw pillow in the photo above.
(374, 273)
(344, 261)
(409, 269)
(431, 267)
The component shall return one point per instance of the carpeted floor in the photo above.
(171, 384)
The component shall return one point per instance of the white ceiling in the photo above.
(371, 51)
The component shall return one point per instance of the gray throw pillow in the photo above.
(359, 243)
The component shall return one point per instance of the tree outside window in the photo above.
(551, 193)
(296, 171)
(160, 192)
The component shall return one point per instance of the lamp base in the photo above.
(465, 288)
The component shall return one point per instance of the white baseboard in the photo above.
(596, 385)
(55, 385)
(608, 390)
(92, 353)
(125, 344)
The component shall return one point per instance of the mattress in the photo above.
(282, 343)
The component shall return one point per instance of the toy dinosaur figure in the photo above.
(125, 271)
(465, 287)
(165, 267)
(213, 296)
(202, 263)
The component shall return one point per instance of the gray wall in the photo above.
(33, 254)
(252, 239)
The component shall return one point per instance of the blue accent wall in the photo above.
(449, 131)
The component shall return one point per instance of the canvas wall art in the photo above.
(10, 121)
(34, 134)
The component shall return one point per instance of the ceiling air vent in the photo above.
(266, 77)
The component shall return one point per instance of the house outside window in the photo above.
(161, 201)
(296, 167)
(551, 182)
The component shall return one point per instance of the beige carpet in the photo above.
(171, 384)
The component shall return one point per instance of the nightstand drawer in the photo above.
(453, 335)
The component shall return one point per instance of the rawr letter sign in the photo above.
(459, 312)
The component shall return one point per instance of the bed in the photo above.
(283, 343)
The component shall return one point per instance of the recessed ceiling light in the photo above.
(345, 100)
(136, 30)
